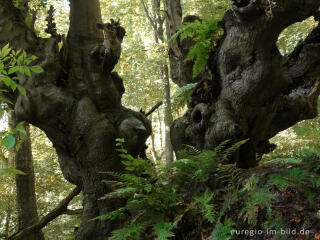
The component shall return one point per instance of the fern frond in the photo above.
(192, 149)
(257, 198)
(163, 230)
(181, 96)
(130, 232)
(120, 193)
(223, 231)
(289, 178)
(204, 201)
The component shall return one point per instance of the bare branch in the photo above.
(303, 64)
(74, 212)
(151, 20)
(59, 210)
(155, 107)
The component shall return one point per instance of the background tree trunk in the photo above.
(259, 91)
(26, 197)
(157, 21)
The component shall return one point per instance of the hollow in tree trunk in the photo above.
(254, 92)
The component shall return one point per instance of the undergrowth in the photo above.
(201, 195)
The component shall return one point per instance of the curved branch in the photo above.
(303, 64)
(62, 208)
(300, 104)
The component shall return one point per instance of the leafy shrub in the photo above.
(11, 63)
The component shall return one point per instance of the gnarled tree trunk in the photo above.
(254, 92)
(77, 102)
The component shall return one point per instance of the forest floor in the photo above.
(280, 200)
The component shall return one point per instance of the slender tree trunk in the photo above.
(157, 22)
(26, 198)
(7, 223)
(160, 129)
(167, 112)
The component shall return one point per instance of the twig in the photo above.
(154, 108)
(59, 210)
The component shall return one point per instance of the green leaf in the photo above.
(9, 141)
(11, 171)
(13, 70)
(22, 90)
(7, 81)
(5, 50)
(36, 69)
(27, 71)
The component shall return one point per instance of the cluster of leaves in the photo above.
(205, 34)
(13, 63)
(157, 198)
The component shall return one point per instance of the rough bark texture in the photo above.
(77, 102)
(254, 92)
(26, 197)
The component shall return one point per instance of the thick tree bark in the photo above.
(26, 197)
(261, 92)
(77, 103)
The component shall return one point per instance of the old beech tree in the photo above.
(252, 93)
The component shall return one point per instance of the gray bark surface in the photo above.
(254, 92)
(77, 102)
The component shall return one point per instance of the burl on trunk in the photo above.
(253, 92)
(77, 101)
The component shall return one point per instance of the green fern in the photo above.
(130, 232)
(181, 96)
(163, 229)
(205, 34)
(310, 159)
(284, 161)
(223, 231)
(156, 198)
(250, 184)
(289, 178)
(204, 201)
(276, 223)
(255, 198)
